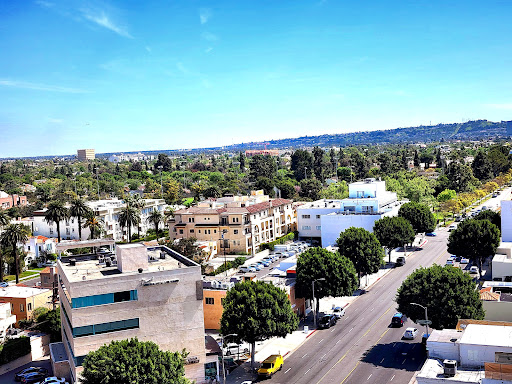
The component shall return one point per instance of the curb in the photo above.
(313, 331)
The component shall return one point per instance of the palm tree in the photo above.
(79, 209)
(4, 220)
(55, 213)
(94, 224)
(129, 217)
(13, 235)
(137, 203)
(155, 218)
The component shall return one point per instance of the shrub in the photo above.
(14, 348)
(290, 236)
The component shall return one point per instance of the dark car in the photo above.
(398, 319)
(400, 261)
(34, 377)
(20, 374)
(326, 321)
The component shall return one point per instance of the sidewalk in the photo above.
(286, 346)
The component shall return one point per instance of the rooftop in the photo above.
(433, 369)
(21, 292)
(445, 335)
(491, 335)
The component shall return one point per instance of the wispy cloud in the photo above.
(504, 106)
(46, 4)
(208, 50)
(208, 36)
(182, 68)
(54, 120)
(38, 87)
(204, 15)
(100, 18)
(148, 48)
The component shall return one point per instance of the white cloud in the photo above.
(182, 68)
(204, 15)
(208, 36)
(208, 50)
(46, 4)
(101, 19)
(504, 106)
(148, 48)
(38, 87)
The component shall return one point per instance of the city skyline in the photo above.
(121, 77)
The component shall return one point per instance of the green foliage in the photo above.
(230, 264)
(362, 248)
(335, 191)
(482, 168)
(419, 215)
(474, 239)
(310, 189)
(492, 216)
(393, 232)
(262, 166)
(283, 239)
(461, 177)
(345, 174)
(49, 322)
(132, 361)
(339, 273)
(411, 187)
(14, 348)
(448, 293)
(445, 195)
(302, 163)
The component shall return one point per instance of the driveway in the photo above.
(8, 378)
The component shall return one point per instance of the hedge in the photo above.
(230, 264)
(14, 348)
(281, 240)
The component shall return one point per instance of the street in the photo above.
(362, 348)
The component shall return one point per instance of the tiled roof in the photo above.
(46, 270)
(197, 211)
(489, 296)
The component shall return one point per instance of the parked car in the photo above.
(464, 260)
(244, 269)
(410, 333)
(400, 260)
(4, 284)
(431, 234)
(257, 267)
(270, 365)
(34, 377)
(450, 262)
(54, 380)
(398, 319)
(494, 195)
(264, 262)
(452, 227)
(18, 375)
(327, 321)
(473, 269)
(339, 312)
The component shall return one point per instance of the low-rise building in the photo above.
(9, 201)
(49, 278)
(154, 294)
(23, 300)
(7, 319)
(38, 247)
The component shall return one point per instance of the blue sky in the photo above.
(145, 75)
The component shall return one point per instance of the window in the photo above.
(235, 219)
(306, 216)
(190, 219)
(199, 230)
(67, 231)
(235, 231)
(29, 306)
(318, 227)
(317, 216)
(306, 227)
(106, 298)
(29, 247)
(209, 300)
(214, 231)
(113, 326)
(191, 231)
(51, 231)
(181, 231)
(22, 308)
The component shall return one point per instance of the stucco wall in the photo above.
(333, 225)
(498, 310)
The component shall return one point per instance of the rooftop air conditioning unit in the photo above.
(450, 368)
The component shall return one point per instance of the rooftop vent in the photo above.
(72, 262)
(450, 368)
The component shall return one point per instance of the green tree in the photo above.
(360, 165)
(345, 174)
(49, 322)
(212, 192)
(446, 195)
(448, 293)
(133, 361)
(12, 236)
(481, 166)
(266, 184)
(419, 215)
(474, 239)
(319, 163)
(493, 217)
(155, 218)
(94, 224)
(499, 159)
(460, 176)
(337, 190)
(256, 311)
(79, 210)
(302, 164)
(241, 159)
(393, 232)
(163, 161)
(265, 166)
(338, 271)
(287, 189)
(55, 213)
(310, 189)
(333, 161)
(172, 190)
(128, 218)
(4, 220)
(362, 248)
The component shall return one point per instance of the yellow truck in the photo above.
(270, 365)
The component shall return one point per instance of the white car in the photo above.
(54, 380)
(464, 261)
(450, 262)
(473, 269)
(410, 333)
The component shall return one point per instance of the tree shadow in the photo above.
(407, 356)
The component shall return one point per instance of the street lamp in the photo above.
(160, 167)
(314, 306)
(426, 314)
(222, 352)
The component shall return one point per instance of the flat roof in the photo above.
(502, 258)
(492, 335)
(433, 369)
(15, 291)
(445, 336)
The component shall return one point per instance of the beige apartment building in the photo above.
(154, 294)
(237, 225)
(85, 154)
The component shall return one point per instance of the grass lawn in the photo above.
(22, 275)
(37, 269)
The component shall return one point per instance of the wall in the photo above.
(498, 310)
(476, 355)
(333, 225)
(41, 300)
(213, 312)
(506, 220)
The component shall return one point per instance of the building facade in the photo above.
(152, 294)
(9, 201)
(7, 319)
(85, 154)
(23, 300)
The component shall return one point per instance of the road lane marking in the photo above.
(337, 342)
(307, 371)
(371, 310)
(381, 361)
(392, 378)
(403, 361)
(353, 345)
(351, 329)
(288, 370)
(304, 356)
(369, 376)
(323, 356)
(320, 341)
(346, 377)
(332, 330)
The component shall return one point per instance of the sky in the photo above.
(133, 75)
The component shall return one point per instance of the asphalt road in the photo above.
(8, 377)
(362, 347)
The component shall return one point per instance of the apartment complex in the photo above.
(107, 212)
(236, 224)
(8, 201)
(85, 154)
(23, 300)
(154, 294)
(324, 220)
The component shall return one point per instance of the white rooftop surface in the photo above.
(499, 257)
(21, 292)
(445, 335)
(491, 335)
(433, 369)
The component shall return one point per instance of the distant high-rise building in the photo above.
(85, 154)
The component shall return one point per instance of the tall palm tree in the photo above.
(137, 203)
(94, 224)
(129, 217)
(4, 220)
(13, 235)
(55, 214)
(155, 218)
(79, 209)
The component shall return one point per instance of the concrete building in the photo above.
(506, 220)
(7, 319)
(107, 211)
(324, 220)
(85, 154)
(130, 157)
(24, 300)
(37, 247)
(237, 224)
(154, 294)
(48, 278)
(9, 201)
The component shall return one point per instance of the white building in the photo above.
(130, 157)
(324, 220)
(152, 294)
(37, 246)
(506, 220)
(107, 211)
(7, 319)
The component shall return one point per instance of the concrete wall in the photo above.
(443, 350)
(498, 310)
(506, 220)
(313, 222)
(333, 225)
(476, 355)
(501, 266)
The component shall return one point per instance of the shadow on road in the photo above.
(408, 356)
